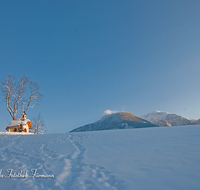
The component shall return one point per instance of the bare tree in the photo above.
(38, 125)
(18, 91)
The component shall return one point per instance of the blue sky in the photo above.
(90, 56)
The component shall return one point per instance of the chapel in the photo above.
(20, 125)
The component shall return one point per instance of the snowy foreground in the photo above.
(166, 158)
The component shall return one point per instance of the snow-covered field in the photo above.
(166, 158)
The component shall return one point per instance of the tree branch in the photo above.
(15, 91)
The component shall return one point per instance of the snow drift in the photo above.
(146, 158)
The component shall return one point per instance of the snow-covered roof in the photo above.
(15, 123)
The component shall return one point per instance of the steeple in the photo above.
(23, 116)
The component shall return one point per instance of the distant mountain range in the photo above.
(196, 121)
(126, 120)
(120, 120)
(161, 118)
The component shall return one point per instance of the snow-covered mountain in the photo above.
(196, 121)
(167, 119)
(119, 120)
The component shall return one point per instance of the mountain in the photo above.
(196, 121)
(167, 119)
(120, 120)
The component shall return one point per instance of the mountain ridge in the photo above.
(162, 118)
(119, 120)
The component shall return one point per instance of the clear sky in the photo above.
(90, 56)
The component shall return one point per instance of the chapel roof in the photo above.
(16, 123)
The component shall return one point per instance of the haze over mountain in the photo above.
(119, 120)
(162, 118)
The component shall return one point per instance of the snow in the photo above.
(146, 158)
(16, 133)
(18, 122)
(156, 115)
(161, 118)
